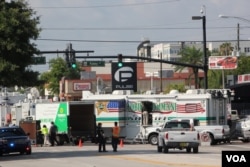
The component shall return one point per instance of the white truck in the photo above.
(180, 135)
(217, 133)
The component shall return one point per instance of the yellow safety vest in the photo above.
(116, 131)
(45, 131)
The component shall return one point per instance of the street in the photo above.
(132, 155)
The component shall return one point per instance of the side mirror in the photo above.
(158, 130)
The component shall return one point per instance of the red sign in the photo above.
(222, 62)
(81, 86)
(244, 78)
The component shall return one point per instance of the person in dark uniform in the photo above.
(52, 134)
(101, 138)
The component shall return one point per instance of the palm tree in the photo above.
(191, 55)
(226, 49)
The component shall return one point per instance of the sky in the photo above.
(111, 27)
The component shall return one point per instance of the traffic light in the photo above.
(73, 59)
(120, 63)
(73, 65)
(67, 57)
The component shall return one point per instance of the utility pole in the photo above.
(161, 72)
(238, 38)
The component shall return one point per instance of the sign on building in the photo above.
(125, 77)
(222, 62)
(243, 78)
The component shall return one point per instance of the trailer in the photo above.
(78, 119)
(75, 120)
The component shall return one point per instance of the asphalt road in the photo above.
(130, 155)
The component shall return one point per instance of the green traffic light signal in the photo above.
(120, 64)
(73, 65)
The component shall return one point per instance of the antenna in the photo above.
(99, 85)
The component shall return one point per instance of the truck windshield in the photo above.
(177, 125)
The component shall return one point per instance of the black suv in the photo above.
(14, 139)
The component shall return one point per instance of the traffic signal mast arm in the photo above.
(64, 51)
(144, 58)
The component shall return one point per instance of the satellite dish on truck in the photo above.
(34, 93)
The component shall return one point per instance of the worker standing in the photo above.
(115, 136)
(45, 132)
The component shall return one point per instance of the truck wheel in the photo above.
(188, 150)
(159, 149)
(165, 149)
(153, 139)
(212, 142)
(195, 149)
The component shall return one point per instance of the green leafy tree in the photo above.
(58, 70)
(225, 49)
(191, 55)
(243, 65)
(18, 27)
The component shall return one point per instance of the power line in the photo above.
(121, 41)
(135, 28)
(108, 6)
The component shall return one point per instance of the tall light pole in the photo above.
(151, 75)
(238, 28)
(160, 56)
(205, 61)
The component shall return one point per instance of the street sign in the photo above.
(93, 63)
(38, 60)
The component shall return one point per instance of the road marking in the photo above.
(160, 162)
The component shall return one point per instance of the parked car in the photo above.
(13, 139)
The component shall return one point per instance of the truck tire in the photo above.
(188, 150)
(165, 150)
(213, 141)
(159, 149)
(195, 149)
(153, 139)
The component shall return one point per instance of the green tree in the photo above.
(18, 27)
(225, 49)
(243, 65)
(191, 55)
(58, 70)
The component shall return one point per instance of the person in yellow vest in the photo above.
(45, 132)
(115, 136)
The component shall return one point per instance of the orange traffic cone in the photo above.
(80, 143)
(121, 143)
